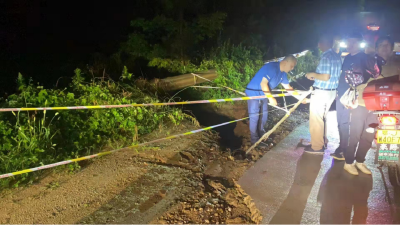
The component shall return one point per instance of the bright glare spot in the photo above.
(363, 44)
(370, 130)
(343, 45)
(388, 120)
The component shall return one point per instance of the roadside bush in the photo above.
(236, 65)
(305, 64)
(34, 138)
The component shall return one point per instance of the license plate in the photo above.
(388, 152)
(388, 136)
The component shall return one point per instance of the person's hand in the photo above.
(310, 76)
(272, 101)
(306, 101)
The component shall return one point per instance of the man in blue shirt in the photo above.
(326, 81)
(267, 78)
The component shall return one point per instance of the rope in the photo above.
(231, 89)
(296, 80)
(144, 104)
(236, 91)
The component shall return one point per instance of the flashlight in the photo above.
(363, 44)
(343, 44)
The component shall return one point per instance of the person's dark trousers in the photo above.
(360, 120)
(343, 118)
(257, 120)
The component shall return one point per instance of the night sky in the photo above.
(46, 39)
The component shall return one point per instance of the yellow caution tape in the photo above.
(146, 104)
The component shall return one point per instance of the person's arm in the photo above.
(290, 90)
(267, 91)
(318, 76)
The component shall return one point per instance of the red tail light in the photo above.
(388, 120)
(373, 28)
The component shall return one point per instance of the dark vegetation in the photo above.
(41, 137)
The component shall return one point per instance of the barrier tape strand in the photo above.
(145, 104)
(231, 89)
(117, 150)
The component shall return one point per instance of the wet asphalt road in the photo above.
(290, 187)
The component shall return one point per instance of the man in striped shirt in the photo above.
(326, 81)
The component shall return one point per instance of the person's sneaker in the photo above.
(308, 149)
(363, 168)
(338, 150)
(338, 156)
(351, 168)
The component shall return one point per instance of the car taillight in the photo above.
(388, 120)
(373, 28)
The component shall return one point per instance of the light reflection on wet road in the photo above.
(290, 187)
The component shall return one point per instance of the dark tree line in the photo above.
(48, 39)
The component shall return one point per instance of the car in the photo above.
(373, 27)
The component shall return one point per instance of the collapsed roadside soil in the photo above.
(185, 180)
